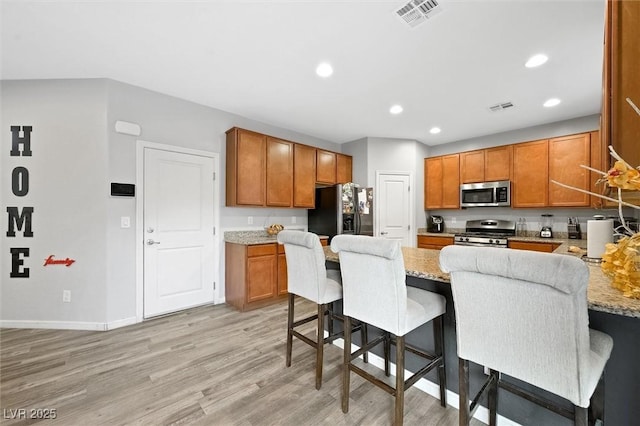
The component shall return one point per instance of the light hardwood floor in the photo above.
(204, 366)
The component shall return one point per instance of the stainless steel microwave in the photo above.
(485, 194)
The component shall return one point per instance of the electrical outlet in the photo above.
(293, 219)
(125, 222)
(453, 220)
(66, 296)
(250, 220)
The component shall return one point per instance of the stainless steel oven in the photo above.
(486, 233)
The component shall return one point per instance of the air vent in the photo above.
(416, 12)
(500, 107)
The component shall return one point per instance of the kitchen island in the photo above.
(609, 311)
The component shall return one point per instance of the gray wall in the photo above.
(76, 154)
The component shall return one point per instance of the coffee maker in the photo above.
(435, 224)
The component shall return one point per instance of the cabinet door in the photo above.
(343, 168)
(621, 124)
(433, 183)
(279, 173)
(533, 246)
(251, 168)
(304, 176)
(325, 167)
(497, 163)
(530, 186)
(262, 272)
(451, 181)
(433, 242)
(282, 271)
(566, 155)
(472, 166)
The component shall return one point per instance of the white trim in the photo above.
(121, 323)
(58, 325)
(433, 389)
(140, 147)
(413, 234)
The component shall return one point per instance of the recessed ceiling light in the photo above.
(536, 60)
(324, 70)
(551, 102)
(396, 109)
(435, 130)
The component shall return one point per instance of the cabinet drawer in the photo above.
(261, 250)
(533, 246)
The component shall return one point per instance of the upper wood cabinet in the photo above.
(566, 155)
(325, 167)
(442, 182)
(472, 166)
(344, 166)
(304, 176)
(264, 171)
(486, 165)
(620, 123)
(530, 183)
(497, 163)
(245, 168)
(279, 173)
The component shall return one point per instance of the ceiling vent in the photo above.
(500, 107)
(416, 12)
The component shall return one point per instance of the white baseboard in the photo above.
(68, 325)
(433, 389)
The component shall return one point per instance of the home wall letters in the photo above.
(20, 220)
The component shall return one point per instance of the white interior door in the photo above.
(394, 206)
(178, 231)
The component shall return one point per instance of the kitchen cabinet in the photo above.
(533, 246)
(344, 166)
(434, 242)
(245, 168)
(566, 155)
(497, 163)
(620, 123)
(530, 183)
(304, 176)
(472, 166)
(251, 275)
(442, 182)
(486, 165)
(279, 172)
(325, 167)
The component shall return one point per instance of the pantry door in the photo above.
(178, 231)
(395, 207)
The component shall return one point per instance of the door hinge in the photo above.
(409, 227)
(408, 188)
(214, 230)
(214, 175)
(214, 285)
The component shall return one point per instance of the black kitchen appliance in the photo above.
(545, 230)
(573, 228)
(435, 224)
(486, 233)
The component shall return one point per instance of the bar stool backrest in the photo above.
(524, 314)
(306, 271)
(373, 280)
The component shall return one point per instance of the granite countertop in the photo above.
(252, 237)
(423, 263)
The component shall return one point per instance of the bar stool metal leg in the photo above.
(346, 372)
(290, 328)
(320, 345)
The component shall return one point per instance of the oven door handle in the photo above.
(461, 243)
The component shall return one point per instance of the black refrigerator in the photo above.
(342, 209)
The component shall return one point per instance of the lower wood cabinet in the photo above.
(255, 275)
(251, 275)
(434, 242)
(533, 246)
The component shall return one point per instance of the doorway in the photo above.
(178, 211)
(394, 208)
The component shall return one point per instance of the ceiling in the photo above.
(258, 59)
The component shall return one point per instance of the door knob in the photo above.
(150, 242)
